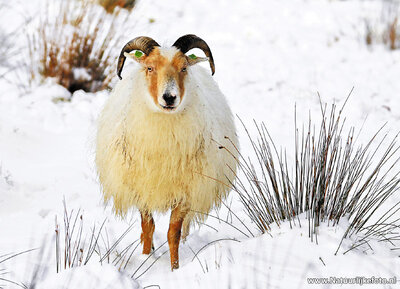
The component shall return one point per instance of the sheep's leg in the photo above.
(146, 238)
(174, 234)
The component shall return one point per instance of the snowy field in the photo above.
(270, 56)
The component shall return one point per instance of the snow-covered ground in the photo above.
(270, 56)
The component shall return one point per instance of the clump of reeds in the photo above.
(75, 44)
(333, 177)
(75, 247)
(387, 29)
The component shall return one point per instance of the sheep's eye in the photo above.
(183, 69)
(149, 69)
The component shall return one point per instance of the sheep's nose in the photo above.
(169, 98)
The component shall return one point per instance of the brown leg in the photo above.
(146, 238)
(174, 234)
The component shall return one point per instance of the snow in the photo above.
(81, 74)
(101, 276)
(270, 56)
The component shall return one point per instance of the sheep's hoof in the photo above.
(174, 265)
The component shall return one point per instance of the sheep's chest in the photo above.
(164, 158)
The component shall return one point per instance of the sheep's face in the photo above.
(165, 71)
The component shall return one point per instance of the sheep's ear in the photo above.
(193, 59)
(136, 55)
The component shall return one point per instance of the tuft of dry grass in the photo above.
(110, 5)
(368, 33)
(333, 178)
(393, 34)
(75, 247)
(75, 44)
(8, 47)
(386, 29)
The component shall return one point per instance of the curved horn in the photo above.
(143, 43)
(189, 41)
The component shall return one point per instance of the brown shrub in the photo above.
(109, 5)
(385, 28)
(75, 46)
(393, 34)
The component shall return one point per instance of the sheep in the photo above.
(166, 139)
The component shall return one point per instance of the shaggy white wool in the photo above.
(153, 160)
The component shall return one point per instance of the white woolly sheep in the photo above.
(166, 138)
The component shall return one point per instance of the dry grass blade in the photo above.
(212, 242)
(221, 220)
(144, 262)
(8, 48)
(112, 248)
(11, 282)
(7, 257)
(152, 263)
(121, 259)
(10, 256)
